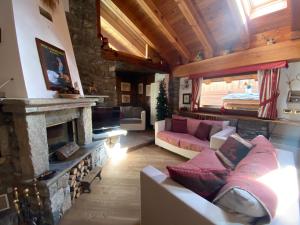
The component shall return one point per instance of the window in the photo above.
(257, 8)
(232, 92)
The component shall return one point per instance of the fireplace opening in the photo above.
(59, 136)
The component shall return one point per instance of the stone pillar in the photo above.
(85, 127)
(32, 140)
(93, 69)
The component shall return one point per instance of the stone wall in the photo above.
(174, 85)
(93, 70)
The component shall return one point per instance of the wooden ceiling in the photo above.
(177, 30)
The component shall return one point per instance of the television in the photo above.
(105, 118)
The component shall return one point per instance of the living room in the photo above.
(149, 112)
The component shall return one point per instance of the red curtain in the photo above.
(269, 92)
(195, 94)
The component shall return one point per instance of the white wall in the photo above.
(183, 90)
(292, 71)
(29, 24)
(10, 65)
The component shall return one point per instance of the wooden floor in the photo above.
(115, 200)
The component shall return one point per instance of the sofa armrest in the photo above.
(217, 140)
(164, 201)
(159, 126)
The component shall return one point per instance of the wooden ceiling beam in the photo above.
(120, 15)
(118, 25)
(199, 28)
(288, 50)
(153, 12)
(295, 7)
(134, 60)
(120, 38)
(244, 36)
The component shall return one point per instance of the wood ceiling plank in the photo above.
(199, 27)
(122, 28)
(244, 35)
(120, 38)
(288, 50)
(129, 24)
(125, 18)
(295, 9)
(153, 12)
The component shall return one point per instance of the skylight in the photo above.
(257, 8)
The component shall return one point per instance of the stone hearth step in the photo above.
(88, 179)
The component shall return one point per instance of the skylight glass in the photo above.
(257, 8)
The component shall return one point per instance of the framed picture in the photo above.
(125, 86)
(186, 98)
(141, 88)
(54, 66)
(125, 99)
(148, 90)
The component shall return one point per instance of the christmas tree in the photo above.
(162, 109)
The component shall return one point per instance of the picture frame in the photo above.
(54, 66)
(140, 88)
(4, 202)
(125, 99)
(186, 98)
(125, 86)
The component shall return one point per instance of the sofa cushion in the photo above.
(170, 137)
(233, 150)
(205, 182)
(179, 125)
(190, 142)
(203, 131)
(136, 112)
(131, 121)
(206, 160)
(182, 140)
(126, 111)
(260, 161)
(192, 124)
(261, 197)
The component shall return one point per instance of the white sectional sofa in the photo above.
(165, 202)
(215, 142)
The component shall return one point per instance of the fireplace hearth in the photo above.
(42, 127)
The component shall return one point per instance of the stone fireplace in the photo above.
(40, 126)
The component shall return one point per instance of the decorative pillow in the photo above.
(179, 125)
(205, 182)
(247, 197)
(203, 131)
(233, 150)
(168, 124)
(214, 129)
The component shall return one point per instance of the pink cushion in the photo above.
(190, 142)
(170, 137)
(206, 160)
(260, 161)
(192, 124)
(203, 131)
(184, 141)
(205, 182)
(179, 125)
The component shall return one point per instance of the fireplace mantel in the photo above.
(25, 105)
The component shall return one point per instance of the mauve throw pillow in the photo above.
(179, 125)
(203, 131)
(205, 182)
(234, 150)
